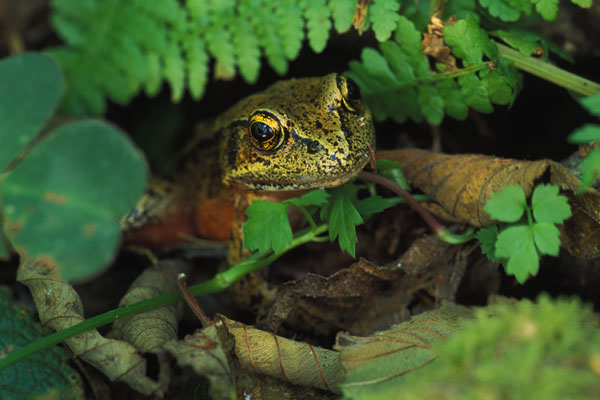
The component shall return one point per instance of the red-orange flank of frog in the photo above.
(296, 135)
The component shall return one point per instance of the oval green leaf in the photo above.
(63, 201)
(30, 87)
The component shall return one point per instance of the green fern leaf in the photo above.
(197, 66)
(500, 9)
(431, 104)
(154, 78)
(318, 24)
(384, 16)
(469, 42)
(174, 70)
(475, 93)
(342, 12)
(454, 102)
(548, 9)
(265, 26)
(291, 25)
(247, 50)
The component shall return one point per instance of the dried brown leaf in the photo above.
(292, 362)
(60, 307)
(149, 330)
(460, 185)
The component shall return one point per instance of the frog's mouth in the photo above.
(306, 182)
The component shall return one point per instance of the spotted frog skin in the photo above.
(296, 135)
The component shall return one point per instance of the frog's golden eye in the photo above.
(265, 131)
(350, 92)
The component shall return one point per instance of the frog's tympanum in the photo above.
(296, 135)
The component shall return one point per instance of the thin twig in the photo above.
(191, 301)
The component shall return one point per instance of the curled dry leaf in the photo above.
(365, 297)
(204, 353)
(460, 185)
(148, 331)
(60, 307)
(293, 362)
(383, 358)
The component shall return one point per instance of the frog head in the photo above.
(297, 134)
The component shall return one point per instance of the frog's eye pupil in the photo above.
(350, 93)
(261, 131)
(353, 90)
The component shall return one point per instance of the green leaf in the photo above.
(63, 200)
(342, 12)
(548, 205)
(197, 66)
(384, 15)
(454, 103)
(469, 42)
(316, 197)
(318, 24)
(590, 169)
(267, 227)
(393, 171)
(507, 205)
(499, 9)
(516, 244)
(30, 87)
(548, 9)
(431, 103)
(475, 93)
(525, 42)
(291, 28)
(586, 134)
(44, 375)
(374, 204)
(174, 71)
(488, 237)
(592, 104)
(343, 218)
(546, 237)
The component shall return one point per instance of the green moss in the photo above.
(544, 350)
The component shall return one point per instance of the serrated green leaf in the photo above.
(220, 45)
(590, 169)
(592, 104)
(516, 244)
(318, 24)
(247, 51)
(431, 103)
(197, 66)
(507, 205)
(475, 93)
(267, 227)
(384, 16)
(454, 102)
(586, 134)
(499, 9)
(466, 40)
(408, 37)
(43, 375)
(291, 28)
(343, 218)
(398, 61)
(488, 236)
(583, 3)
(30, 87)
(153, 83)
(525, 42)
(374, 204)
(62, 202)
(316, 197)
(546, 237)
(265, 26)
(342, 12)
(174, 70)
(548, 205)
(393, 171)
(500, 89)
(548, 9)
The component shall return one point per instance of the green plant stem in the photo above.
(549, 72)
(217, 283)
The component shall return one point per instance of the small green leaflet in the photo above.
(548, 205)
(267, 226)
(343, 218)
(393, 171)
(515, 244)
(520, 245)
(312, 198)
(507, 205)
(592, 104)
(590, 166)
(586, 134)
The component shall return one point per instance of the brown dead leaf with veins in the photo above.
(433, 42)
(460, 186)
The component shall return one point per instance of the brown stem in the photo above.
(429, 219)
(191, 301)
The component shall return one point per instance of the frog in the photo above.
(297, 135)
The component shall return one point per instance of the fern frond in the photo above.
(115, 49)
(512, 10)
(398, 82)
